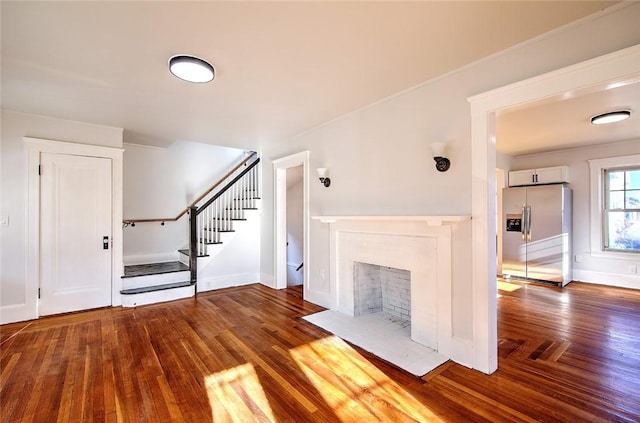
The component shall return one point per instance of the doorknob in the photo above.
(105, 242)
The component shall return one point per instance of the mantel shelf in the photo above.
(429, 220)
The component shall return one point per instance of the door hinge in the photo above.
(38, 293)
(39, 170)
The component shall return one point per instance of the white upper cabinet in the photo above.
(547, 175)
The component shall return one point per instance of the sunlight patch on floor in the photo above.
(353, 387)
(382, 334)
(509, 287)
(236, 395)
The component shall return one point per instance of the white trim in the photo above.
(152, 147)
(16, 313)
(217, 282)
(280, 167)
(36, 146)
(429, 220)
(267, 280)
(601, 73)
(596, 166)
(609, 279)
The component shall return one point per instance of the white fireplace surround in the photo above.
(419, 244)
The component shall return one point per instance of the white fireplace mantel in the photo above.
(425, 246)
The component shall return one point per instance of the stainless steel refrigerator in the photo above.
(536, 233)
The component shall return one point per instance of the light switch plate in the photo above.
(4, 220)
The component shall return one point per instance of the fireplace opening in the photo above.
(382, 289)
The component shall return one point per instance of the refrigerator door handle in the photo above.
(528, 223)
(523, 222)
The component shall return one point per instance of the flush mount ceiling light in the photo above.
(191, 68)
(611, 117)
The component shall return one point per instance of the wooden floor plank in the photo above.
(245, 354)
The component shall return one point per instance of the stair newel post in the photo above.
(237, 199)
(193, 245)
(257, 187)
(216, 217)
(227, 201)
(243, 192)
(254, 178)
(234, 203)
(253, 185)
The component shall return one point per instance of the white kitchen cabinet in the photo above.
(546, 175)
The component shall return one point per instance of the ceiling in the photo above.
(281, 67)
(566, 123)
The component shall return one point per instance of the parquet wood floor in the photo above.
(244, 354)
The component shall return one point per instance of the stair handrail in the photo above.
(132, 222)
(226, 187)
(194, 211)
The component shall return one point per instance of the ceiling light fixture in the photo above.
(191, 68)
(611, 117)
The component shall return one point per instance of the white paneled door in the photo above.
(75, 227)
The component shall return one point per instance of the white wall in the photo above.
(237, 260)
(13, 185)
(160, 183)
(294, 226)
(379, 159)
(593, 268)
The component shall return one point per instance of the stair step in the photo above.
(186, 253)
(154, 269)
(155, 288)
(209, 242)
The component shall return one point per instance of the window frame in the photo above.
(598, 198)
(606, 210)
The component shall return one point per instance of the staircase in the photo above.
(213, 218)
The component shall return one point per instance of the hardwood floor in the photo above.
(243, 354)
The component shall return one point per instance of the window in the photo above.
(622, 209)
(615, 207)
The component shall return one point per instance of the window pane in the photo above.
(633, 199)
(616, 200)
(633, 179)
(616, 180)
(623, 230)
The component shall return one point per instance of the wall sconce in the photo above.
(322, 173)
(442, 162)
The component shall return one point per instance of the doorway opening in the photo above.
(295, 227)
(598, 74)
(295, 169)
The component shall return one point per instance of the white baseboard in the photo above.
(609, 279)
(150, 258)
(17, 313)
(227, 281)
(461, 351)
(268, 280)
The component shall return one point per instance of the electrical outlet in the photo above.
(4, 220)
(578, 258)
(633, 269)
